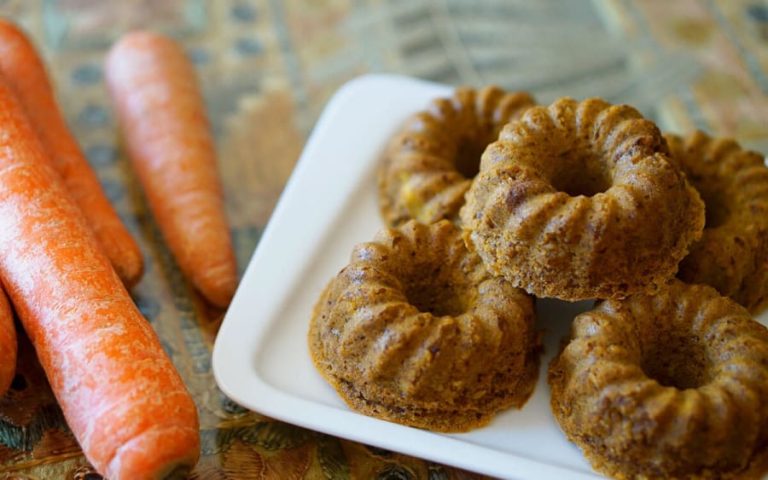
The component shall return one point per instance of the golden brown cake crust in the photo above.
(579, 200)
(732, 255)
(666, 386)
(414, 330)
(429, 164)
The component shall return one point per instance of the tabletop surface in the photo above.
(267, 68)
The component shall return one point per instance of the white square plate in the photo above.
(261, 359)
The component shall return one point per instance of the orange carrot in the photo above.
(167, 136)
(120, 394)
(8, 345)
(24, 70)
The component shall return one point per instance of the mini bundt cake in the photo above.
(666, 386)
(430, 163)
(580, 200)
(732, 255)
(415, 330)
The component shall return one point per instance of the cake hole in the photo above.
(579, 173)
(716, 209)
(677, 361)
(434, 291)
(469, 151)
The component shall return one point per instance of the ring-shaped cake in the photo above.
(732, 255)
(415, 330)
(430, 163)
(580, 200)
(666, 386)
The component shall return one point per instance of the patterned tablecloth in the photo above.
(267, 68)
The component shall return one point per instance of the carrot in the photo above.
(8, 345)
(24, 70)
(120, 394)
(160, 108)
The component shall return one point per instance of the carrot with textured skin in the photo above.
(167, 136)
(8, 345)
(24, 71)
(120, 394)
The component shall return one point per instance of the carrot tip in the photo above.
(160, 453)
